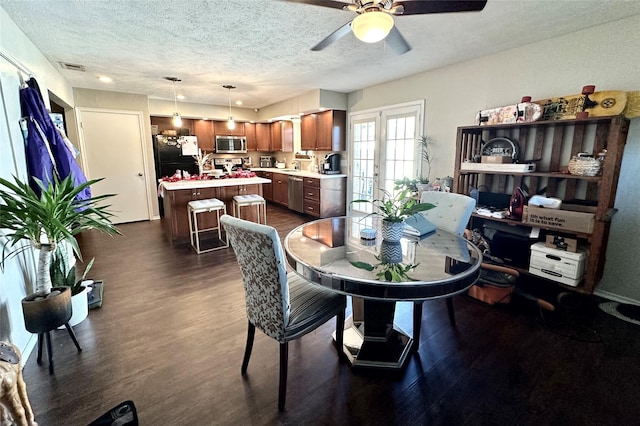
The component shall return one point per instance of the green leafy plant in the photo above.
(410, 184)
(54, 216)
(64, 274)
(392, 272)
(398, 207)
(425, 153)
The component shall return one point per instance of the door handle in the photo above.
(140, 174)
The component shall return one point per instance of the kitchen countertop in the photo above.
(211, 183)
(292, 172)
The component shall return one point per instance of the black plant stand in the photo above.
(43, 315)
(47, 336)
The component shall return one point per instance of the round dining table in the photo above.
(347, 255)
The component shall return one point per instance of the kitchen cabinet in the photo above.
(267, 188)
(176, 218)
(281, 189)
(221, 128)
(282, 136)
(166, 123)
(263, 137)
(308, 132)
(203, 129)
(324, 131)
(228, 192)
(325, 197)
(250, 133)
(552, 144)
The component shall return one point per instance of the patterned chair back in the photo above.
(264, 274)
(452, 210)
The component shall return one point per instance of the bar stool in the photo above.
(250, 200)
(205, 206)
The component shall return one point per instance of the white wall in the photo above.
(606, 55)
(18, 277)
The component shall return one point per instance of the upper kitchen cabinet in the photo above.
(282, 136)
(221, 129)
(203, 129)
(250, 133)
(308, 132)
(324, 131)
(263, 137)
(166, 123)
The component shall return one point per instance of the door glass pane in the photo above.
(363, 164)
(400, 153)
(383, 149)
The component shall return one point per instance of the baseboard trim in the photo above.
(28, 349)
(616, 297)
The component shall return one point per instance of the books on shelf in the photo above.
(418, 225)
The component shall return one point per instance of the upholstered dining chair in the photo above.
(452, 213)
(282, 305)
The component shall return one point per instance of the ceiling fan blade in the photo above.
(397, 42)
(418, 7)
(325, 3)
(334, 36)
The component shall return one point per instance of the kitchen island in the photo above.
(176, 195)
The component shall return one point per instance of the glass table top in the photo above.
(330, 252)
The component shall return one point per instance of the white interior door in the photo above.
(384, 148)
(112, 146)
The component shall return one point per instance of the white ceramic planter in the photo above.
(80, 307)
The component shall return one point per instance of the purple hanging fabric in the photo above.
(43, 162)
(39, 161)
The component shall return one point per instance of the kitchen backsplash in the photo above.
(287, 157)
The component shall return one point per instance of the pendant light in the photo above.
(230, 123)
(177, 119)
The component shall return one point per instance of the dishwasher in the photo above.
(296, 194)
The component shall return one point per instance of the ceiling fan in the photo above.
(375, 21)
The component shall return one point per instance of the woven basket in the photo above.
(582, 165)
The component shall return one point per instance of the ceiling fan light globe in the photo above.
(372, 27)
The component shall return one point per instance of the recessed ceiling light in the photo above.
(181, 97)
(238, 102)
(105, 79)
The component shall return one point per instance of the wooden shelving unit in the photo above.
(551, 144)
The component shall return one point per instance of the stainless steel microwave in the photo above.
(231, 144)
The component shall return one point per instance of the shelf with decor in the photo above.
(587, 201)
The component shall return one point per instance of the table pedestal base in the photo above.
(390, 354)
(378, 344)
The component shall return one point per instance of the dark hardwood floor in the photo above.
(170, 336)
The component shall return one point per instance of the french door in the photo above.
(384, 147)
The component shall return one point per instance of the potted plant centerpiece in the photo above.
(394, 209)
(46, 220)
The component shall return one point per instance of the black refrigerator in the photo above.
(172, 153)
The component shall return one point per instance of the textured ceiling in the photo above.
(262, 46)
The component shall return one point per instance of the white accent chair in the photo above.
(452, 214)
